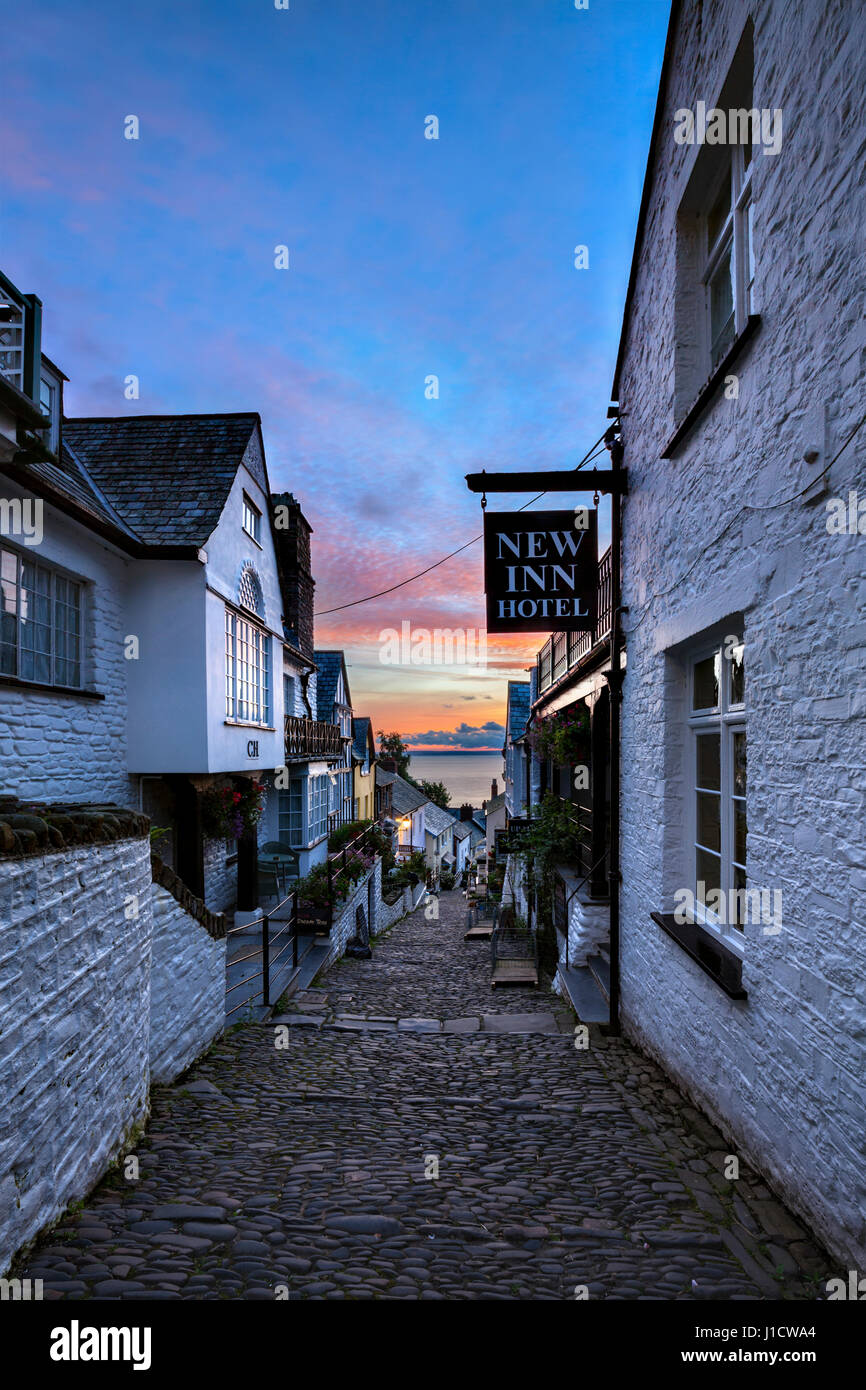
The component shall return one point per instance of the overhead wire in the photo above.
(592, 453)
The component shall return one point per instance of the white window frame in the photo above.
(736, 233)
(726, 719)
(318, 804)
(252, 514)
(51, 436)
(293, 803)
(248, 697)
(55, 573)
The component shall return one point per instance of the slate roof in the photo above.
(406, 798)
(69, 479)
(329, 666)
(168, 476)
(461, 829)
(360, 737)
(436, 819)
(518, 708)
(384, 778)
(494, 804)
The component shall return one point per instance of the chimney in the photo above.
(494, 789)
(388, 764)
(466, 811)
(292, 532)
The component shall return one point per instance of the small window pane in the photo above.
(722, 328)
(740, 763)
(710, 820)
(709, 765)
(739, 913)
(706, 687)
(719, 212)
(749, 252)
(737, 675)
(708, 875)
(740, 831)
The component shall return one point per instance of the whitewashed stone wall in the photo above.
(187, 987)
(70, 747)
(220, 878)
(588, 927)
(74, 1024)
(389, 913)
(782, 1073)
(343, 928)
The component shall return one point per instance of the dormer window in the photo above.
(252, 521)
(50, 403)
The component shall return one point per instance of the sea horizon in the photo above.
(466, 772)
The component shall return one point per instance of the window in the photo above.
(247, 671)
(729, 265)
(49, 404)
(291, 813)
(717, 759)
(288, 694)
(40, 622)
(250, 592)
(318, 806)
(252, 522)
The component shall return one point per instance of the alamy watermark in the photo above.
(438, 646)
(735, 127)
(732, 908)
(22, 516)
(846, 518)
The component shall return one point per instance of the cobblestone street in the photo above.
(299, 1170)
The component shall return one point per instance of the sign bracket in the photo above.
(603, 480)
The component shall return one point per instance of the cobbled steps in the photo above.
(321, 1157)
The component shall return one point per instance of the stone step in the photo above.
(312, 954)
(601, 973)
(583, 991)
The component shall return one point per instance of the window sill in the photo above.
(705, 949)
(44, 687)
(708, 391)
(242, 724)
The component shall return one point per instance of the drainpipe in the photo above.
(614, 679)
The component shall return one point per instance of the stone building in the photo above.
(740, 388)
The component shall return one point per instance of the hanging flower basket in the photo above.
(564, 737)
(228, 811)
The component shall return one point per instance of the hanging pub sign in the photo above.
(541, 570)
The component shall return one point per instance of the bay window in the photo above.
(247, 670)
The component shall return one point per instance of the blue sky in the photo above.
(408, 257)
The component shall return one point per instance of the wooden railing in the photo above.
(312, 738)
(564, 650)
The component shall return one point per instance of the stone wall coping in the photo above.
(214, 923)
(29, 828)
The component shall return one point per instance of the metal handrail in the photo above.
(268, 958)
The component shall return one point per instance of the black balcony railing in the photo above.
(564, 650)
(312, 738)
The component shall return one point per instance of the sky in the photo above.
(408, 258)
